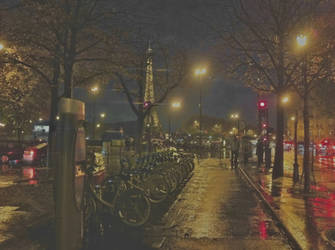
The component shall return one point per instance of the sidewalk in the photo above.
(310, 218)
(217, 210)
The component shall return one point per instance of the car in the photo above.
(326, 147)
(36, 154)
(11, 154)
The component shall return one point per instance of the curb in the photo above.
(294, 243)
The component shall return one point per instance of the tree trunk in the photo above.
(67, 80)
(19, 133)
(52, 121)
(278, 168)
(306, 138)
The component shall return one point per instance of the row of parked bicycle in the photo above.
(144, 181)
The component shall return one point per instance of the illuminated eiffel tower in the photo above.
(151, 120)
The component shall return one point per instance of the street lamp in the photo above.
(236, 117)
(295, 164)
(174, 106)
(94, 90)
(285, 99)
(302, 43)
(301, 40)
(199, 72)
(102, 115)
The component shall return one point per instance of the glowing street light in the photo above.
(292, 118)
(301, 40)
(94, 89)
(234, 116)
(98, 125)
(40, 119)
(200, 71)
(102, 115)
(57, 117)
(285, 99)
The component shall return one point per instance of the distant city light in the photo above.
(285, 99)
(176, 105)
(302, 40)
(200, 71)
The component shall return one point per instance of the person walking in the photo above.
(235, 148)
(259, 151)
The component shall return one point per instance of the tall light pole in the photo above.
(199, 72)
(236, 117)
(174, 106)
(302, 43)
(295, 164)
(94, 91)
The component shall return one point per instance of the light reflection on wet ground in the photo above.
(7, 214)
(308, 216)
(217, 210)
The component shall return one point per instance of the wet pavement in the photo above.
(217, 210)
(310, 218)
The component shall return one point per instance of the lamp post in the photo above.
(174, 106)
(237, 118)
(94, 91)
(295, 164)
(302, 43)
(199, 73)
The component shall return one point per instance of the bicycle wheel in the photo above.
(133, 208)
(157, 188)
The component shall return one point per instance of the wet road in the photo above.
(308, 216)
(216, 210)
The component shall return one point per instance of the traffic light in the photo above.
(146, 104)
(262, 104)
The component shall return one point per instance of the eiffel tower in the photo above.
(151, 120)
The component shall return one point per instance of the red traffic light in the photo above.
(146, 104)
(262, 104)
(264, 125)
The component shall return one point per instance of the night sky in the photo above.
(174, 20)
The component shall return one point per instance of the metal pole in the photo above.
(295, 164)
(94, 116)
(200, 113)
(169, 125)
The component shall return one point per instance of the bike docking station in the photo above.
(113, 144)
(70, 148)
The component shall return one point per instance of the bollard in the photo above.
(69, 149)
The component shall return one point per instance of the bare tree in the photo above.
(257, 47)
(170, 69)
